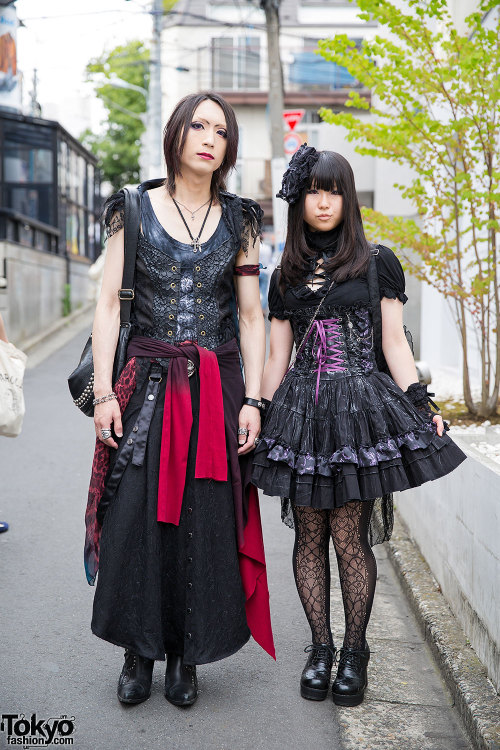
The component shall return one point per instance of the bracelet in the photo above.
(265, 404)
(101, 400)
(253, 402)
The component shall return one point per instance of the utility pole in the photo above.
(35, 109)
(276, 107)
(154, 120)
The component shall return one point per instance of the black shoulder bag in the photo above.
(81, 380)
(374, 292)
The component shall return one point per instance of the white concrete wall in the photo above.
(441, 344)
(32, 299)
(455, 521)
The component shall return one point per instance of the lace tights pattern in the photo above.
(348, 528)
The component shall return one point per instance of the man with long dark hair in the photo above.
(181, 564)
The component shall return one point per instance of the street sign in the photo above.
(292, 117)
(291, 142)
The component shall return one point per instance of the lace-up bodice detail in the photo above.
(327, 347)
(338, 344)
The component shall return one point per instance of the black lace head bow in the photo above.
(298, 173)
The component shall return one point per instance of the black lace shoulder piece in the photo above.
(244, 218)
(252, 223)
(113, 213)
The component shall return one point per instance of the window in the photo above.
(25, 164)
(236, 63)
(309, 69)
(311, 117)
(222, 63)
(90, 187)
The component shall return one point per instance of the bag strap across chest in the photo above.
(374, 293)
(132, 223)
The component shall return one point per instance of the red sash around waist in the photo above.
(211, 460)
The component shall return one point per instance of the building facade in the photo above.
(49, 223)
(223, 47)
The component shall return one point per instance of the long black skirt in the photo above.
(163, 588)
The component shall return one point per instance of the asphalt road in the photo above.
(51, 665)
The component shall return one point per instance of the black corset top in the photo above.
(339, 343)
(181, 295)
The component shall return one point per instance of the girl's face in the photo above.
(323, 209)
(206, 141)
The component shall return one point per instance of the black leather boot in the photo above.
(181, 683)
(315, 678)
(349, 686)
(134, 685)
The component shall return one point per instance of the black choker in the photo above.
(323, 243)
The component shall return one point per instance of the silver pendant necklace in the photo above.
(195, 241)
(195, 210)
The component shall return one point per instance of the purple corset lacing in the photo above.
(329, 354)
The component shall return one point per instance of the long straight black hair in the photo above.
(176, 131)
(331, 172)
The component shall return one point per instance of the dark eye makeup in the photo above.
(198, 125)
(313, 191)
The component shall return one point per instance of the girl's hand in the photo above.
(249, 419)
(438, 419)
(107, 416)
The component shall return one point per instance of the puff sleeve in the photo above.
(391, 278)
(274, 298)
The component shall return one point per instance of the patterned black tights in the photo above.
(348, 527)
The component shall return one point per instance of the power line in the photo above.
(81, 13)
(185, 14)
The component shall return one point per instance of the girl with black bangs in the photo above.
(170, 488)
(340, 433)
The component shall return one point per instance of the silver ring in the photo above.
(242, 431)
(106, 434)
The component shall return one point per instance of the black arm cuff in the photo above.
(421, 399)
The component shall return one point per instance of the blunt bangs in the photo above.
(327, 173)
(331, 172)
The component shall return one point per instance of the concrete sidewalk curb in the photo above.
(465, 676)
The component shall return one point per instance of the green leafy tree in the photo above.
(118, 146)
(435, 97)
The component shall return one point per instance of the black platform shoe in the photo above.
(349, 686)
(181, 683)
(315, 678)
(134, 685)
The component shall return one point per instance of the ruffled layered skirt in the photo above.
(359, 440)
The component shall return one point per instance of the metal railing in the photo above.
(24, 230)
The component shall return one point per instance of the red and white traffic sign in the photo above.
(291, 142)
(292, 117)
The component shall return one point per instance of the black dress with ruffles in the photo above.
(344, 430)
(163, 588)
